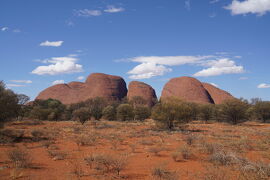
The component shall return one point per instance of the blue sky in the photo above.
(223, 42)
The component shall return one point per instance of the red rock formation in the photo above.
(136, 88)
(97, 85)
(217, 94)
(186, 88)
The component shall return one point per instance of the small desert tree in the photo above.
(206, 112)
(234, 111)
(9, 106)
(137, 101)
(172, 111)
(96, 106)
(109, 113)
(125, 112)
(262, 110)
(82, 114)
(141, 113)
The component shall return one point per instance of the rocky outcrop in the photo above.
(218, 95)
(143, 90)
(97, 85)
(187, 89)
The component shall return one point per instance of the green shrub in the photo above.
(125, 112)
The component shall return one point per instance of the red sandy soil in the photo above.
(140, 163)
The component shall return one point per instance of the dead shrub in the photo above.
(190, 139)
(20, 158)
(210, 148)
(186, 152)
(216, 173)
(107, 163)
(47, 143)
(9, 136)
(156, 150)
(41, 134)
(132, 147)
(147, 142)
(224, 158)
(163, 173)
(86, 140)
(254, 171)
(177, 156)
(57, 155)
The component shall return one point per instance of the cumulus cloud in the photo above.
(52, 43)
(219, 67)
(80, 78)
(214, 84)
(59, 65)
(214, 1)
(22, 81)
(148, 70)
(87, 13)
(113, 9)
(58, 82)
(263, 85)
(187, 4)
(16, 30)
(16, 85)
(4, 28)
(243, 78)
(151, 66)
(259, 7)
(157, 65)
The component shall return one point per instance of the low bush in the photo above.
(161, 172)
(86, 140)
(224, 158)
(9, 136)
(20, 158)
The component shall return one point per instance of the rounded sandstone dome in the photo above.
(136, 88)
(60, 92)
(107, 86)
(218, 95)
(187, 89)
(97, 85)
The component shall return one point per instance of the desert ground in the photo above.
(135, 150)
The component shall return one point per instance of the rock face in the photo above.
(192, 90)
(136, 88)
(188, 89)
(97, 85)
(217, 94)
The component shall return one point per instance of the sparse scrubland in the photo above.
(98, 139)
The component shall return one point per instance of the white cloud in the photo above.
(148, 70)
(52, 43)
(58, 82)
(87, 13)
(59, 65)
(113, 9)
(243, 78)
(16, 85)
(22, 81)
(157, 65)
(214, 84)
(214, 1)
(259, 7)
(187, 4)
(263, 85)
(16, 30)
(219, 67)
(4, 28)
(151, 66)
(80, 78)
(212, 15)
(169, 60)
